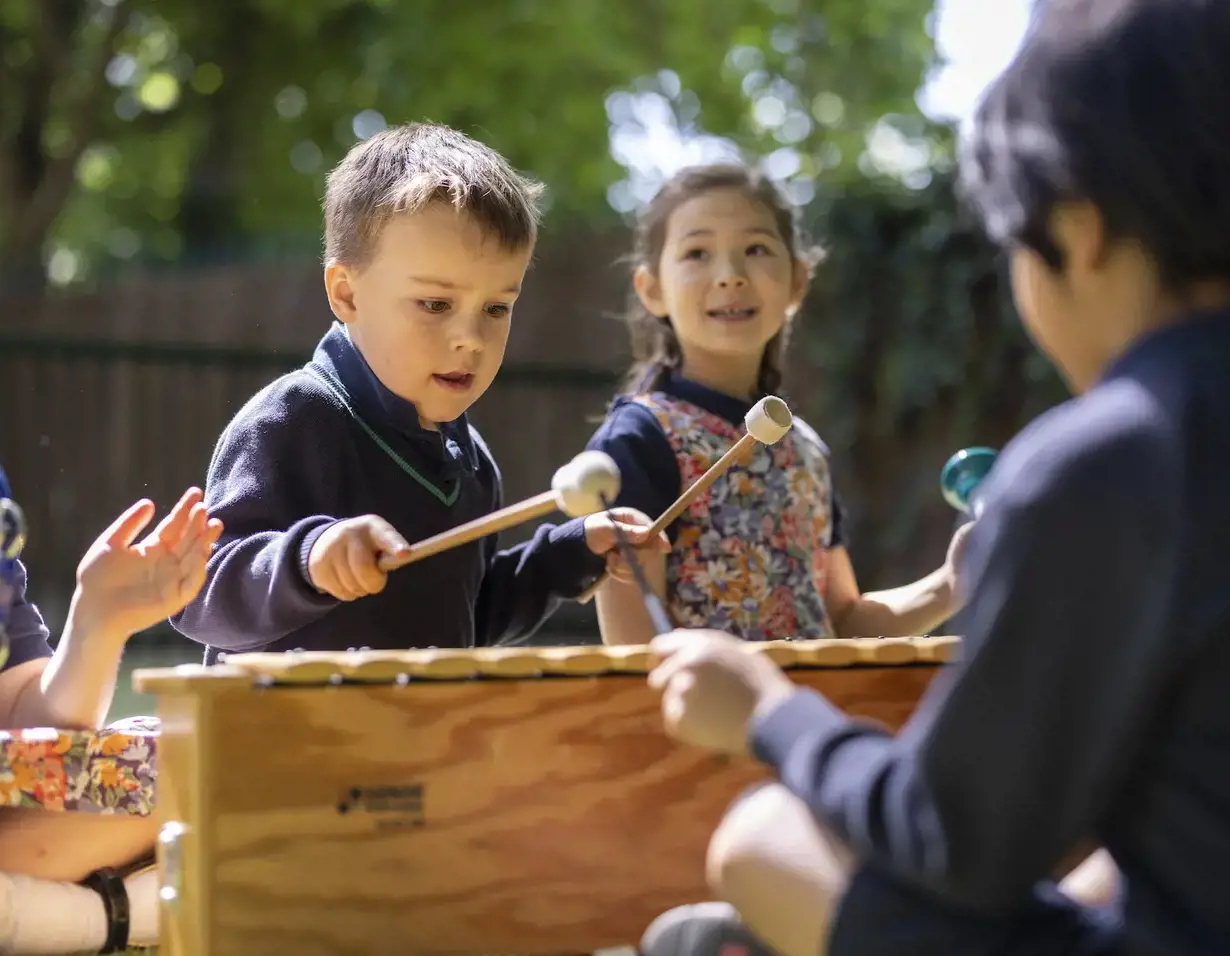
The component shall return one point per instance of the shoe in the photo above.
(702, 929)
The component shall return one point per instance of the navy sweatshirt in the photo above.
(1093, 695)
(329, 442)
(27, 633)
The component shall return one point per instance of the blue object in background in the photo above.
(961, 476)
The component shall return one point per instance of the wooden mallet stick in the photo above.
(765, 422)
(578, 488)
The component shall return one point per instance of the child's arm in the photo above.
(524, 584)
(1069, 654)
(622, 617)
(900, 612)
(906, 611)
(122, 588)
(650, 483)
(270, 483)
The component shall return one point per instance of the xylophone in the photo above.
(506, 800)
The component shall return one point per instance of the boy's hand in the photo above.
(343, 560)
(123, 588)
(601, 539)
(712, 684)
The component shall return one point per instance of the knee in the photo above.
(779, 868)
(744, 838)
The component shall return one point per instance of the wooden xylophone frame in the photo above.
(506, 800)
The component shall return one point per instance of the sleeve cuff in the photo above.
(576, 565)
(804, 715)
(305, 551)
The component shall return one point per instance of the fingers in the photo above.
(191, 577)
(193, 557)
(630, 517)
(635, 526)
(385, 539)
(187, 533)
(348, 565)
(675, 698)
(675, 665)
(359, 574)
(682, 650)
(175, 524)
(638, 537)
(124, 529)
(617, 568)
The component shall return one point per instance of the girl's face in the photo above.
(726, 277)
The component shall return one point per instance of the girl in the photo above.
(720, 271)
(123, 586)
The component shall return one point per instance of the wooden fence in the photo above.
(121, 392)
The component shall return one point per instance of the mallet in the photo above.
(961, 477)
(766, 422)
(578, 488)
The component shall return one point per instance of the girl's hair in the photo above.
(655, 347)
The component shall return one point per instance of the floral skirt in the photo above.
(109, 771)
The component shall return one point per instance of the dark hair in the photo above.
(1121, 103)
(405, 168)
(655, 348)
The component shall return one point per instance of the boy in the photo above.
(427, 238)
(1091, 701)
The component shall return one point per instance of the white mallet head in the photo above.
(581, 485)
(768, 420)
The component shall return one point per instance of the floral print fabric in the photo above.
(751, 554)
(109, 771)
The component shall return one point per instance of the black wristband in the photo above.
(110, 886)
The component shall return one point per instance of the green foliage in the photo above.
(908, 349)
(171, 126)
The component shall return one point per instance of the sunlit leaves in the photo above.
(238, 111)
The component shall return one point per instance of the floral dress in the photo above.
(750, 557)
(108, 771)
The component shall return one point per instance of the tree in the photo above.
(172, 129)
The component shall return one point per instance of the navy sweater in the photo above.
(329, 442)
(1093, 698)
(27, 633)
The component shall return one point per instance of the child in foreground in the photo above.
(721, 270)
(367, 447)
(1090, 702)
(123, 586)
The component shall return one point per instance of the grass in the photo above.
(128, 703)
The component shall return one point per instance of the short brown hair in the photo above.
(403, 169)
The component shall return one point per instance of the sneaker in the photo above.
(702, 929)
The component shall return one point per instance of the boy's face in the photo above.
(1085, 314)
(430, 311)
(1036, 293)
